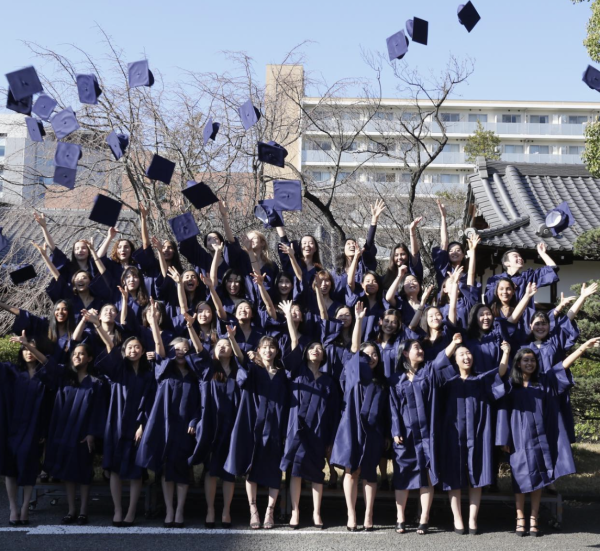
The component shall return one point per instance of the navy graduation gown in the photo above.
(131, 400)
(546, 275)
(363, 428)
(313, 420)
(63, 265)
(259, 431)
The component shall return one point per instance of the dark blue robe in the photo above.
(468, 297)
(63, 265)
(131, 400)
(442, 265)
(201, 259)
(546, 275)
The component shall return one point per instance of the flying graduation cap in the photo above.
(184, 227)
(160, 169)
(118, 144)
(211, 129)
(265, 211)
(44, 106)
(106, 210)
(23, 274)
(418, 30)
(397, 45)
(64, 176)
(19, 106)
(64, 123)
(88, 89)
(249, 114)
(140, 74)
(67, 155)
(287, 195)
(272, 153)
(24, 83)
(592, 78)
(199, 194)
(559, 219)
(35, 128)
(468, 16)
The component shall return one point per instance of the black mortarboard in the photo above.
(35, 127)
(67, 155)
(106, 210)
(64, 123)
(592, 78)
(200, 195)
(23, 274)
(210, 130)
(19, 106)
(24, 83)
(118, 144)
(88, 88)
(397, 45)
(249, 114)
(65, 176)
(3, 241)
(272, 153)
(559, 219)
(266, 213)
(44, 106)
(160, 169)
(287, 194)
(468, 16)
(140, 74)
(184, 227)
(418, 30)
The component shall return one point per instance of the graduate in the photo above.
(411, 299)
(414, 407)
(402, 255)
(78, 419)
(132, 391)
(361, 436)
(255, 257)
(25, 403)
(259, 432)
(539, 452)
(313, 419)
(133, 292)
(168, 437)
(307, 254)
(220, 401)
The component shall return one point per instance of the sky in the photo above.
(522, 49)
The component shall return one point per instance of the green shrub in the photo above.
(585, 402)
(9, 352)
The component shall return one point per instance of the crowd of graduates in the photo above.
(253, 367)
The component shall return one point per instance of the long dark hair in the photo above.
(402, 362)
(539, 315)
(160, 306)
(496, 306)
(379, 295)
(53, 324)
(425, 326)
(118, 335)
(340, 259)
(473, 329)
(339, 340)
(464, 263)
(144, 364)
(141, 297)
(316, 259)
(73, 261)
(397, 315)
(218, 234)
(176, 260)
(272, 340)
(219, 374)
(75, 275)
(228, 274)
(378, 370)
(275, 287)
(391, 272)
(309, 346)
(21, 364)
(213, 321)
(90, 367)
(516, 374)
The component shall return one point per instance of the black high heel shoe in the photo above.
(520, 533)
(537, 532)
(352, 528)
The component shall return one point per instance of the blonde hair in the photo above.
(264, 251)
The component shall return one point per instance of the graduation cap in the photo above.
(397, 45)
(19, 106)
(272, 153)
(35, 127)
(24, 83)
(23, 274)
(140, 74)
(200, 195)
(67, 155)
(468, 16)
(184, 227)
(118, 144)
(418, 30)
(160, 169)
(592, 78)
(88, 88)
(559, 219)
(64, 123)
(266, 213)
(287, 194)
(44, 106)
(210, 131)
(3, 241)
(65, 176)
(249, 114)
(106, 210)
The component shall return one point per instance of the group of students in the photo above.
(253, 368)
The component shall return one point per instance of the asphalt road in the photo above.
(581, 529)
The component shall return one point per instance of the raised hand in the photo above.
(143, 210)
(40, 218)
(42, 249)
(592, 343)
(588, 291)
(456, 339)
(124, 293)
(112, 233)
(219, 247)
(402, 271)
(174, 274)
(505, 347)
(91, 316)
(286, 307)
(21, 339)
(473, 241)
(442, 208)
(359, 310)
(415, 223)
(455, 275)
(258, 278)
(541, 248)
(189, 319)
(154, 310)
(155, 242)
(286, 249)
(230, 331)
(206, 280)
(377, 209)
(426, 294)
(223, 210)
(531, 289)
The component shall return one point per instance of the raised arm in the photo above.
(51, 267)
(473, 241)
(22, 340)
(8, 308)
(419, 311)
(41, 220)
(158, 342)
(110, 235)
(92, 318)
(214, 266)
(571, 358)
(234, 344)
(221, 313)
(359, 311)
(564, 301)
(161, 257)
(451, 348)
(352, 269)
(286, 308)
(443, 226)
(224, 212)
(583, 296)
(530, 291)
(323, 313)
(289, 250)
(99, 264)
(124, 304)
(144, 225)
(541, 249)
(259, 279)
(454, 279)
(176, 277)
(390, 294)
(503, 367)
(414, 241)
(189, 320)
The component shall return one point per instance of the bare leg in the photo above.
(426, 501)
(13, 491)
(474, 502)
(333, 475)
(536, 497)
(70, 488)
(369, 491)
(84, 494)
(168, 489)
(251, 488)
(317, 495)
(454, 496)
(27, 491)
(135, 490)
(269, 515)
(228, 488)
(295, 489)
(210, 490)
(383, 463)
(182, 490)
(351, 492)
(116, 491)
(520, 504)
(401, 497)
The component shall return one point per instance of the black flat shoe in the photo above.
(369, 528)
(318, 526)
(473, 531)
(352, 528)
(169, 524)
(400, 528)
(24, 522)
(226, 525)
(117, 523)
(82, 520)
(423, 529)
(294, 526)
(179, 525)
(68, 519)
(459, 531)
(210, 525)
(14, 523)
(126, 524)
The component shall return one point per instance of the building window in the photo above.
(539, 149)
(351, 146)
(316, 145)
(449, 179)
(409, 116)
(320, 176)
(539, 119)
(405, 177)
(450, 117)
(2, 145)
(350, 116)
(473, 117)
(576, 149)
(341, 176)
(577, 119)
(451, 148)
(513, 149)
(385, 177)
(384, 115)
(511, 118)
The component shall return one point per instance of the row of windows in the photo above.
(512, 118)
(2, 145)
(325, 176)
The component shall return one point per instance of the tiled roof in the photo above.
(515, 198)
